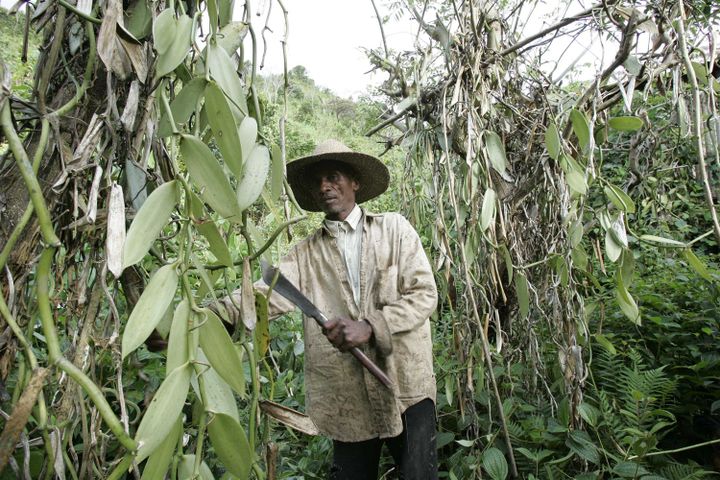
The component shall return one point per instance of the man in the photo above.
(369, 274)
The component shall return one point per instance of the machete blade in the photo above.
(289, 291)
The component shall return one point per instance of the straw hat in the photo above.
(372, 174)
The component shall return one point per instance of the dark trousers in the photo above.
(414, 450)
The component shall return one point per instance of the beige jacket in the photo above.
(398, 295)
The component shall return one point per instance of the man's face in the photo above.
(334, 190)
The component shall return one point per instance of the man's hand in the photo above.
(345, 333)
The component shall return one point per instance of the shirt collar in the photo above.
(352, 221)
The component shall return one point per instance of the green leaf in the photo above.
(208, 175)
(166, 404)
(605, 343)
(552, 141)
(158, 463)
(523, 294)
(168, 60)
(164, 30)
(508, 262)
(589, 413)
(487, 214)
(222, 70)
(612, 249)
(662, 241)
(465, 443)
(183, 106)
(218, 246)
(217, 345)
(149, 222)
(626, 301)
(581, 127)
(231, 445)
(576, 181)
(575, 234)
(255, 173)
(495, 150)
(217, 396)
(225, 9)
(619, 198)
(580, 443)
(177, 353)
(697, 264)
(277, 173)
(629, 470)
(150, 308)
(225, 130)
(139, 20)
(187, 465)
(212, 9)
(495, 464)
(626, 124)
(248, 132)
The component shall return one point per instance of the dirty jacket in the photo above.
(397, 297)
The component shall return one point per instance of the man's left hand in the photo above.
(345, 333)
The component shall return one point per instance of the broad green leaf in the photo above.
(217, 396)
(225, 130)
(277, 173)
(612, 249)
(261, 335)
(222, 70)
(178, 49)
(166, 404)
(248, 132)
(495, 464)
(164, 30)
(183, 106)
(617, 231)
(150, 308)
(626, 301)
(508, 262)
(552, 141)
(487, 214)
(626, 124)
(576, 181)
(629, 470)
(495, 150)
(217, 345)
(139, 21)
(580, 443)
(208, 175)
(523, 294)
(225, 9)
(212, 9)
(619, 198)
(186, 466)
(149, 222)
(231, 445)
(177, 353)
(158, 463)
(589, 413)
(575, 234)
(218, 246)
(581, 127)
(662, 241)
(605, 343)
(255, 172)
(697, 264)
(231, 35)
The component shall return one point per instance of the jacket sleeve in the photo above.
(415, 295)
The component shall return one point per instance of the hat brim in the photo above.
(373, 176)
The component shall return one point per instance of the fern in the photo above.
(678, 471)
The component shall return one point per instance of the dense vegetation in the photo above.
(569, 224)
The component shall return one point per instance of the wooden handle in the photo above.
(372, 368)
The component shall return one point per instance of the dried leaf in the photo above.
(249, 315)
(291, 418)
(115, 241)
(131, 105)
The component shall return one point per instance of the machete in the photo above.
(283, 286)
